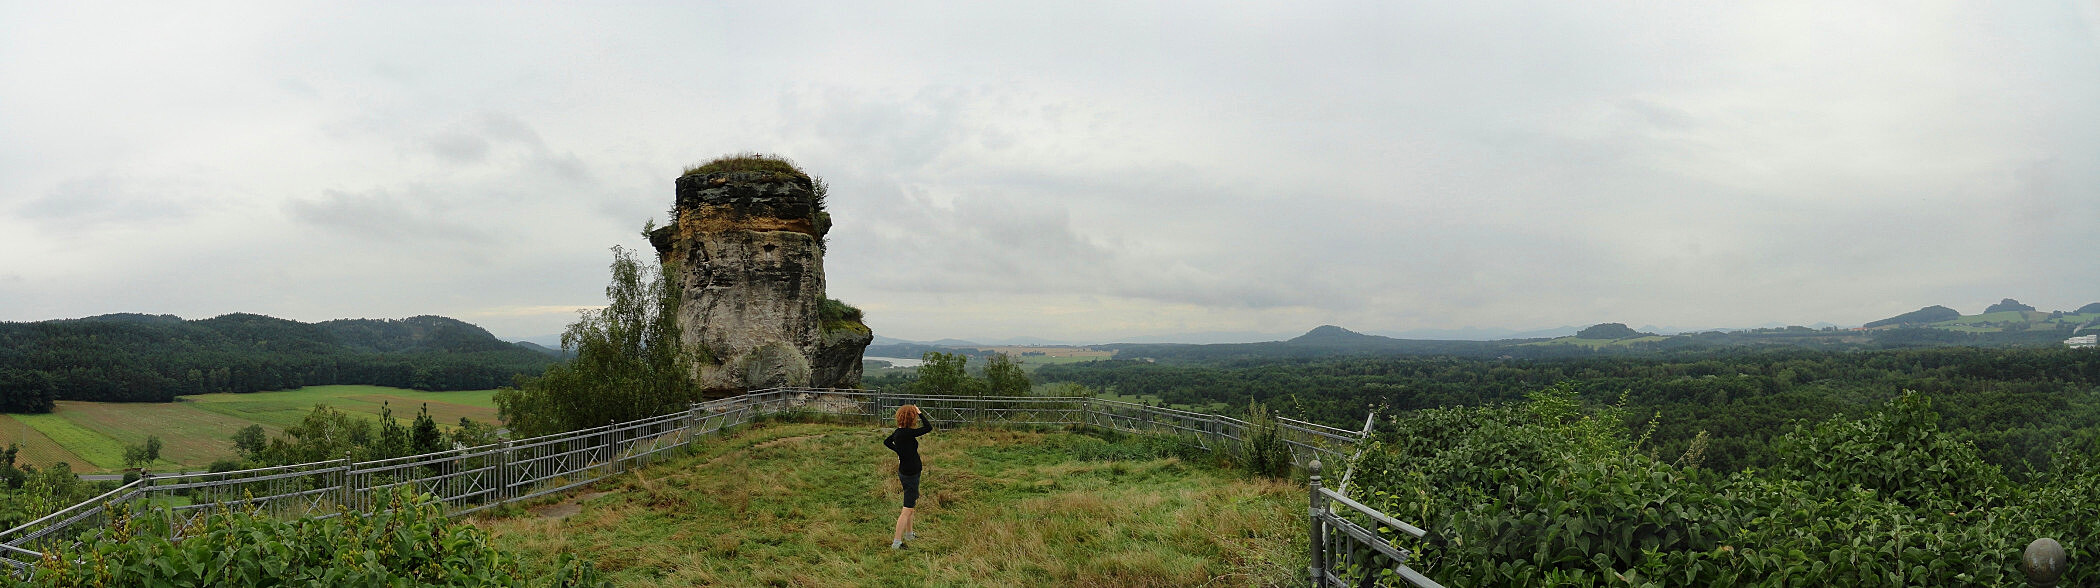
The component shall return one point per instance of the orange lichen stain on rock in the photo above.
(720, 219)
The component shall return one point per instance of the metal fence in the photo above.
(1347, 549)
(471, 479)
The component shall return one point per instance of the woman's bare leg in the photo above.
(903, 524)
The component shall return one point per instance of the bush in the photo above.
(1539, 494)
(415, 544)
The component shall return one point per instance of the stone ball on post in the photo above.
(2044, 562)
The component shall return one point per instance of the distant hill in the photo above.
(1929, 314)
(2093, 308)
(1333, 335)
(1609, 331)
(154, 358)
(2007, 304)
(553, 351)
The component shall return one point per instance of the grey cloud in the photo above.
(459, 147)
(382, 215)
(111, 199)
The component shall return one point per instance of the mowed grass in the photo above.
(36, 447)
(189, 437)
(813, 505)
(197, 430)
(99, 451)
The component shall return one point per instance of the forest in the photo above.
(154, 358)
(2013, 403)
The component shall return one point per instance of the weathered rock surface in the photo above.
(749, 245)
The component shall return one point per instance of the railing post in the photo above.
(349, 491)
(2044, 562)
(692, 426)
(1318, 537)
(502, 477)
(612, 447)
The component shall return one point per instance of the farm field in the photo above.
(197, 430)
(36, 447)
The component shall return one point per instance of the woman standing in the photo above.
(905, 441)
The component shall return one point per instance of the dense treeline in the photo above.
(1545, 494)
(144, 358)
(2013, 403)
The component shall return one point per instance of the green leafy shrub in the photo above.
(413, 545)
(1540, 494)
(834, 315)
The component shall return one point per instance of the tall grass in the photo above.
(798, 504)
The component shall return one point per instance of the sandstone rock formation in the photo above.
(748, 238)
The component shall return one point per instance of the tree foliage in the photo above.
(142, 358)
(629, 362)
(413, 544)
(2014, 404)
(945, 374)
(1529, 494)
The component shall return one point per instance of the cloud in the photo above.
(383, 216)
(110, 199)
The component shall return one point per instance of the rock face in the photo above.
(749, 248)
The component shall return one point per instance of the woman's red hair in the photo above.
(908, 416)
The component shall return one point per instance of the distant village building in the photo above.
(2084, 341)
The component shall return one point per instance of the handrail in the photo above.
(1374, 514)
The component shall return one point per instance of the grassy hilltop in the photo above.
(813, 505)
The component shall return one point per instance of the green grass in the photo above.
(98, 449)
(285, 408)
(813, 505)
(747, 161)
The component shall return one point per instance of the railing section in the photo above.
(470, 479)
(1346, 553)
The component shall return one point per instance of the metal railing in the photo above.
(472, 479)
(1346, 553)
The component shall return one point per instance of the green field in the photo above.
(813, 504)
(197, 430)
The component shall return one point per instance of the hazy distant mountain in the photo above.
(549, 341)
(1609, 331)
(2007, 304)
(881, 340)
(1929, 314)
(551, 351)
(1482, 334)
(2087, 309)
(1333, 335)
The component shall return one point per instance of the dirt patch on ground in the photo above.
(563, 509)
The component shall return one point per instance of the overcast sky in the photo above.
(1064, 170)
